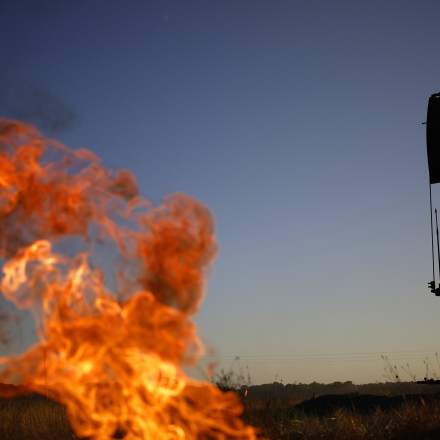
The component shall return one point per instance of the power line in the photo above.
(393, 356)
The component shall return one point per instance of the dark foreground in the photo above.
(348, 417)
(32, 416)
(331, 416)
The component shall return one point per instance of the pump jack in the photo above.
(433, 151)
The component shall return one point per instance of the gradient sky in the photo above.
(299, 123)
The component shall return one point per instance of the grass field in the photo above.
(342, 417)
(386, 412)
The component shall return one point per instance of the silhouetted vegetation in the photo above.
(299, 391)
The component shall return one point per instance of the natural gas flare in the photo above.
(113, 282)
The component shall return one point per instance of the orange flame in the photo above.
(112, 282)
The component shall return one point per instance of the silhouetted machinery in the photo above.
(433, 150)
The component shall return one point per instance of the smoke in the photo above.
(37, 105)
(7, 321)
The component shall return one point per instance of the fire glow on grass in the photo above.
(114, 319)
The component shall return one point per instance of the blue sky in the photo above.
(299, 123)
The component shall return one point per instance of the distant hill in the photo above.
(301, 391)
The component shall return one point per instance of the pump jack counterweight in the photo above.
(431, 284)
(437, 290)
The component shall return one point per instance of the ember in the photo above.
(113, 283)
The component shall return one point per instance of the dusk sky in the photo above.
(298, 123)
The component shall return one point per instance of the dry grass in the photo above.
(38, 418)
(33, 417)
(280, 420)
